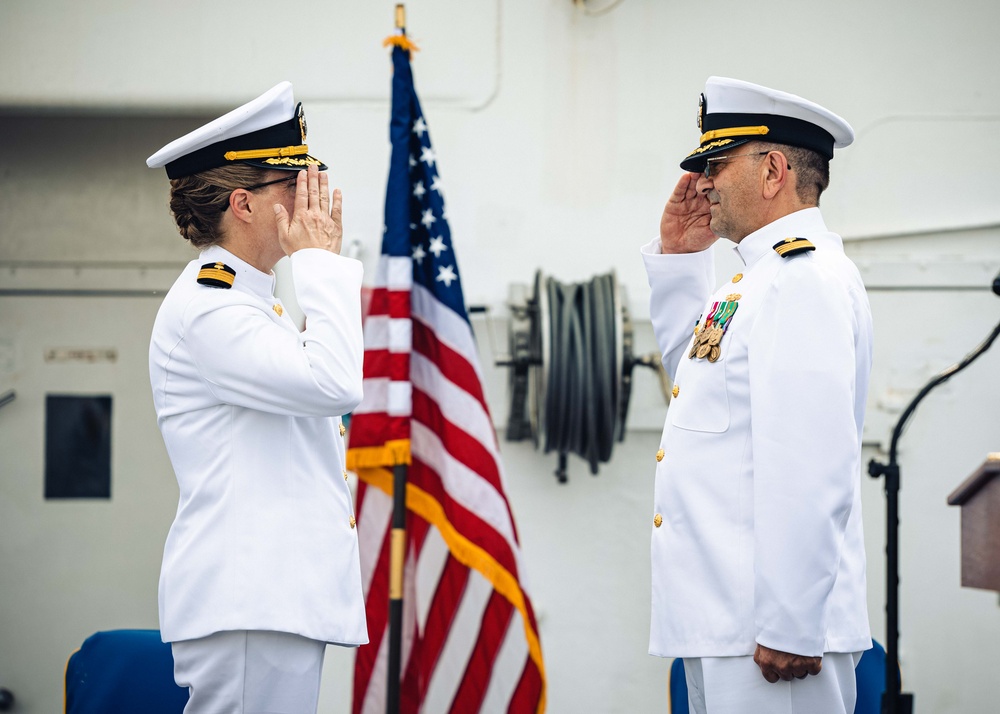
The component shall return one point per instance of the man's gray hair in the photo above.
(812, 170)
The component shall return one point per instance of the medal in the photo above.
(707, 341)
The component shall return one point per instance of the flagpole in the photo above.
(396, 558)
(397, 553)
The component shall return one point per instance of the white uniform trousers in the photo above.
(734, 685)
(250, 672)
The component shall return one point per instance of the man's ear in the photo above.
(240, 205)
(775, 173)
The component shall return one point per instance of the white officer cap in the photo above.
(732, 112)
(268, 132)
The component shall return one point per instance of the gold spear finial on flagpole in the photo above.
(400, 39)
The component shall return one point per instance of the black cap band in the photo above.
(286, 135)
(779, 130)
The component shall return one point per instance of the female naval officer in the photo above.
(260, 568)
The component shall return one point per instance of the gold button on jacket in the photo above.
(659, 455)
(657, 520)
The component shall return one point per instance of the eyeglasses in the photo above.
(708, 162)
(293, 177)
(283, 179)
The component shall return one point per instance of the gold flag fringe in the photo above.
(401, 41)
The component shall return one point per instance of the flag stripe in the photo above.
(372, 688)
(367, 660)
(431, 563)
(463, 519)
(394, 272)
(377, 509)
(444, 604)
(507, 667)
(446, 677)
(458, 407)
(382, 332)
(383, 364)
(437, 431)
(392, 398)
(450, 327)
(495, 621)
(453, 366)
(529, 692)
(393, 303)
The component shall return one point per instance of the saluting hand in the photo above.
(775, 665)
(315, 223)
(684, 227)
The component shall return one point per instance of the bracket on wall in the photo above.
(7, 398)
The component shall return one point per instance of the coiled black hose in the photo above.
(581, 399)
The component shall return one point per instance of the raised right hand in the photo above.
(684, 227)
(314, 223)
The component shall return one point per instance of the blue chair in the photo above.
(678, 688)
(123, 671)
(870, 675)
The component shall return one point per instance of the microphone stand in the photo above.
(893, 700)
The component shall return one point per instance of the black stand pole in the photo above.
(894, 701)
(397, 556)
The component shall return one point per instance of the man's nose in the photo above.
(704, 184)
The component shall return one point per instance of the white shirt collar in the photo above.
(248, 278)
(805, 223)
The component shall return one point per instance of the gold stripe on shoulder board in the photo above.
(792, 246)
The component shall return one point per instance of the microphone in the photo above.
(996, 284)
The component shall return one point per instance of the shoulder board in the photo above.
(792, 246)
(216, 275)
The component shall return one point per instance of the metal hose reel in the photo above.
(571, 364)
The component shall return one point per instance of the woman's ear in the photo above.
(240, 205)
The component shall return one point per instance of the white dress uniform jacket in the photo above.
(757, 534)
(249, 407)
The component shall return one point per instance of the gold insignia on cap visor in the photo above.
(266, 153)
(303, 127)
(742, 131)
(291, 161)
(710, 146)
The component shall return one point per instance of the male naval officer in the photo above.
(757, 552)
(260, 568)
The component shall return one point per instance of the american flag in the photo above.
(470, 640)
